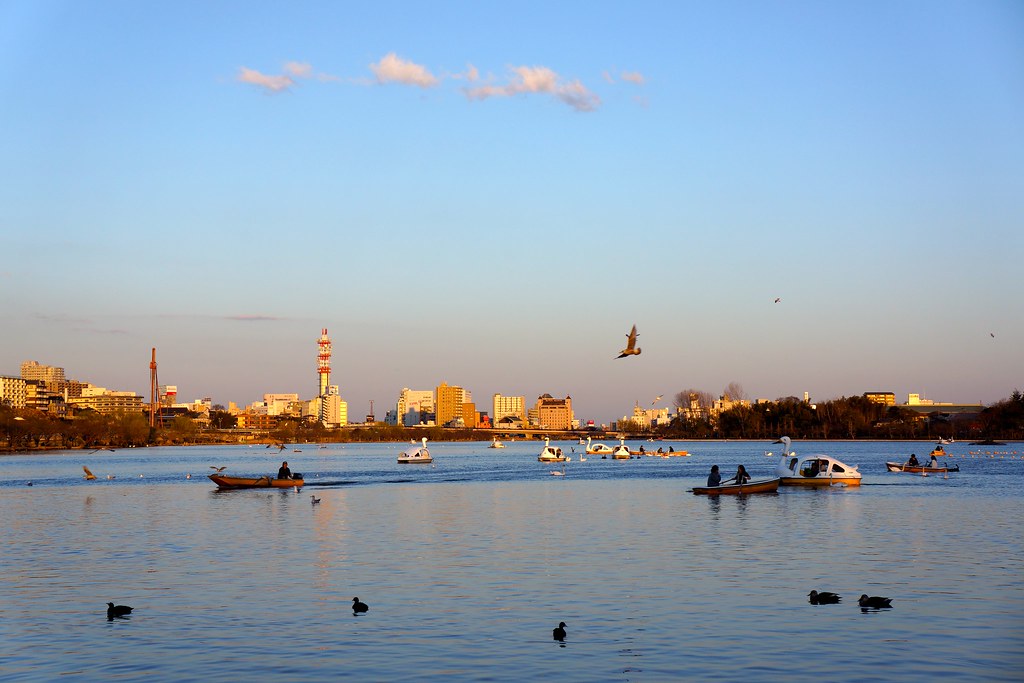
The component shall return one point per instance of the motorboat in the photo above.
(621, 452)
(496, 444)
(416, 454)
(227, 482)
(597, 448)
(816, 469)
(760, 486)
(551, 453)
(918, 469)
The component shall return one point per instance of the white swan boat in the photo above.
(551, 453)
(621, 452)
(816, 469)
(496, 444)
(418, 453)
(598, 448)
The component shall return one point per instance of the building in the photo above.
(31, 370)
(885, 398)
(103, 400)
(505, 406)
(415, 407)
(449, 404)
(279, 404)
(470, 417)
(262, 421)
(554, 413)
(12, 391)
(329, 409)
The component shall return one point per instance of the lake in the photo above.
(468, 565)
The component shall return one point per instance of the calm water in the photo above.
(468, 565)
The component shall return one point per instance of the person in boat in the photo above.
(284, 472)
(913, 460)
(714, 479)
(741, 476)
(671, 449)
(660, 449)
(933, 462)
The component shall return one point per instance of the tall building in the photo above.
(554, 413)
(279, 404)
(509, 406)
(12, 392)
(323, 359)
(449, 403)
(51, 377)
(415, 407)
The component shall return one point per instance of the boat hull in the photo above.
(415, 460)
(819, 481)
(551, 458)
(899, 467)
(762, 486)
(226, 482)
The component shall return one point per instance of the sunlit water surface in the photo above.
(467, 566)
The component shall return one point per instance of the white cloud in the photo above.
(394, 69)
(539, 79)
(267, 82)
(633, 77)
(299, 69)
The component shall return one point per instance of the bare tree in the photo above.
(685, 398)
(735, 392)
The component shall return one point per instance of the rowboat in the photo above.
(901, 467)
(761, 486)
(225, 482)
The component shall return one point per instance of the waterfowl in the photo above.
(874, 602)
(559, 631)
(314, 500)
(358, 607)
(117, 610)
(823, 598)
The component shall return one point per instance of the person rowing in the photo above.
(741, 477)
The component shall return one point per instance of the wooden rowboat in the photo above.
(900, 467)
(762, 486)
(225, 482)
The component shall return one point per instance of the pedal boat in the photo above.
(551, 453)
(816, 469)
(416, 454)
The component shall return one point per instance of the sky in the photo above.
(491, 195)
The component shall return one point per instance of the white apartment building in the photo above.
(12, 391)
(414, 406)
(508, 406)
(278, 404)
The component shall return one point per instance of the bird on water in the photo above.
(359, 607)
(117, 611)
(874, 602)
(630, 349)
(558, 633)
(823, 598)
(314, 500)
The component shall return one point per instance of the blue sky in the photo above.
(491, 194)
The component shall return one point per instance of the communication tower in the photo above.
(155, 406)
(324, 362)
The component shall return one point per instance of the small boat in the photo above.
(902, 467)
(415, 454)
(621, 452)
(761, 486)
(551, 453)
(813, 470)
(945, 442)
(496, 444)
(226, 482)
(597, 448)
(938, 451)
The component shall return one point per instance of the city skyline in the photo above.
(792, 196)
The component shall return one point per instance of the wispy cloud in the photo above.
(298, 69)
(539, 79)
(394, 69)
(252, 318)
(633, 77)
(272, 84)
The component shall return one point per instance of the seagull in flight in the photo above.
(630, 349)
(656, 399)
(219, 469)
(778, 299)
(88, 475)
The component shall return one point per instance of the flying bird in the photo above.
(359, 607)
(656, 399)
(89, 476)
(992, 334)
(823, 598)
(630, 349)
(778, 299)
(219, 469)
(874, 602)
(117, 611)
(558, 633)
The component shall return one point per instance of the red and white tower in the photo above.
(324, 362)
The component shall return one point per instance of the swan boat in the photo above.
(816, 469)
(496, 444)
(415, 454)
(597, 448)
(621, 452)
(760, 486)
(551, 453)
(224, 481)
(902, 467)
